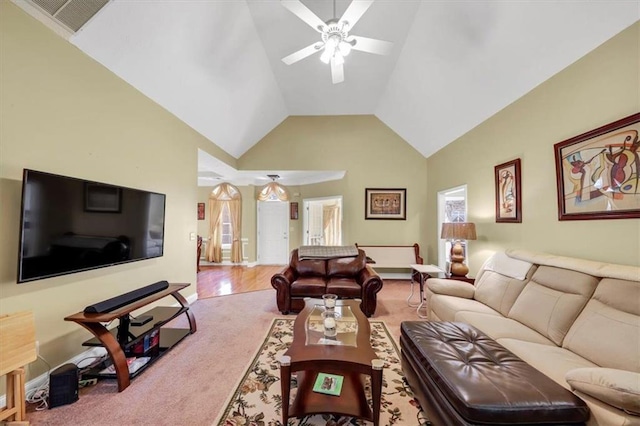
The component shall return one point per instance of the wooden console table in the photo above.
(126, 335)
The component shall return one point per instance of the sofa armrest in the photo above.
(366, 275)
(618, 388)
(451, 287)
(282, 283)
(287, 275)
(371, 284)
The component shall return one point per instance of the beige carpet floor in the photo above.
(190, 384)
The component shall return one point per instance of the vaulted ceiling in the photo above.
(216, 64)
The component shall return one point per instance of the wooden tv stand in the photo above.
(125, 336)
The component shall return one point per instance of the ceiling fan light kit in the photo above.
(336, 42)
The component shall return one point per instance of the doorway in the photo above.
(452, 207)
(322, 221)
(273, 233)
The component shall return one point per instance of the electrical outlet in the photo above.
(37, 347)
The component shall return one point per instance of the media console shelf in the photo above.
(124, 337)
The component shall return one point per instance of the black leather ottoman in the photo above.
(460, 376)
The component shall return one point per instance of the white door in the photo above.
(273, 233)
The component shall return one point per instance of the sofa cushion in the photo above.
(445, 307)
(308, 267)
(498, 327)
(451, 287)
(508, 266)
(552, 300)
(498, 291)
(346, 266)
(344, 287)
(607, 332)
(615, 387)
(553, 361)
(308, 286)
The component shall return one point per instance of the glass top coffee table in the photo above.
(348, 354)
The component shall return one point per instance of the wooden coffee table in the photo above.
(350, 355)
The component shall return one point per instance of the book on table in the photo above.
(331, 384)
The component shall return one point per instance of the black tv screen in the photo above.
(70, 225)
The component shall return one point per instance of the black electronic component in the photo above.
(63, 385)
(124, 299)
(141, 320)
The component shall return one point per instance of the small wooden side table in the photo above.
(17, 349)
(455, 277)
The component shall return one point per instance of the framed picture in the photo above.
(99, 198)
(293, 211)
(385, 203)
(508, 197)
(200, 211)
(597, 172)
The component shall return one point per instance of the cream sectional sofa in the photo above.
(576, 321)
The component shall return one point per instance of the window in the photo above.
(226, 227)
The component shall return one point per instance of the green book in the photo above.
(331, 384)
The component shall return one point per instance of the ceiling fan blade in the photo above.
(354, 12)
(337, 72)
(302, 53)
(371, 45)
(303, 12)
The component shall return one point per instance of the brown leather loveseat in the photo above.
(348, 277)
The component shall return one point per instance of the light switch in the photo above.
(192, 236)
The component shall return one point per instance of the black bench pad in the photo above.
(466, 377)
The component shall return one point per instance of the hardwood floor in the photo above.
(221, 280)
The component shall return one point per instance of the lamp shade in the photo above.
(458, 231)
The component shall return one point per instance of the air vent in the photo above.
(50, 6)
(73, 14)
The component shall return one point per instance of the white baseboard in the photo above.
(89, 355)
(33, 384)
(190, 299)
(395, 275)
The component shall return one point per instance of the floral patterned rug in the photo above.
(257, 400)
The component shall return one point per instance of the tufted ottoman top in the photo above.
(484, 382)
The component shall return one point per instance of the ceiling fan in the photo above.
(336, 41)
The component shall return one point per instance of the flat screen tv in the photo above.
(70, 225)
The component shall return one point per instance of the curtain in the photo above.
(331, 225)
(273, 192)
(221, 195)
(235, 212)
(214, 248)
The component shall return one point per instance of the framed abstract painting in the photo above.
(597, 172)
(508, 188)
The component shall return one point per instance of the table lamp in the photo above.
(456, 232)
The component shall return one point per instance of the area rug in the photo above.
(257, 400)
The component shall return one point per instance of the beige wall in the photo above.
(63, 113)
(373, 157)
(599, 88)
